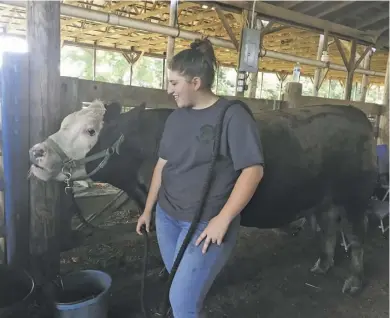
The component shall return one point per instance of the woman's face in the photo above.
(183, 91)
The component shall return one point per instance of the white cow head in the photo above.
(78, 134)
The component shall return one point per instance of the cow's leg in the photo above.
(329, 223)
(355, 232)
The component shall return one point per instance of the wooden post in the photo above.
(241, 77)
(43, 38)
(281, 77)
(94, 62)
(292, 94)
(261, 84)
(163, 73)
(132, 58)
(365, 78)
(350, 73)
(319, 76)
(253, 84)
(217, 79)
(253, 77)
(384, 118)
(171, 40)
(131, 75)
(349, 64)
(15, 132)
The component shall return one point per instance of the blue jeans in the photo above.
(196, 271)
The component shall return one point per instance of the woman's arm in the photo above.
(242, 192)
(154, 186)
(246, 152)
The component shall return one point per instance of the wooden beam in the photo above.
(132, 57)
(110, 49)
(364, 85)
(317, 72)
(245, 15)
(43, 39)
(350, 72)
(357, 63)
(341, 50)
(227, 27)
(173, 14)
(384, 118)
(94, 62)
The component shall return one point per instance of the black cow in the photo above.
(320, 161)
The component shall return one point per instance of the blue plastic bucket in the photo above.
(383, 158)
(84, 294)
(16, 292)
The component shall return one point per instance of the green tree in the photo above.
(148, 72)
(77, 62)
(112, 67)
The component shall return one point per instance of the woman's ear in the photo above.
(197, 83)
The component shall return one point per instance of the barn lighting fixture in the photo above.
(325, 57)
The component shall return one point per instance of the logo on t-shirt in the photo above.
(206, 134)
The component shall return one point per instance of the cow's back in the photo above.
(311, 153)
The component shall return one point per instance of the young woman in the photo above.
(184, 157)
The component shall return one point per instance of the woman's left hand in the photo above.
(214, 232)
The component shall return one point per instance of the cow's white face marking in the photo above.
(78, 134)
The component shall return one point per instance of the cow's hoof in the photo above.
(352, 285)
(321, 267)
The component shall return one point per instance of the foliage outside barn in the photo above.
(112, 67)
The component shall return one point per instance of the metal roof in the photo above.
(369, 16)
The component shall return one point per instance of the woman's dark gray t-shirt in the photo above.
(187, 144)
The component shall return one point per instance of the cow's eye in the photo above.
(91, 132)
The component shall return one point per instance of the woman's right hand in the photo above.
(144, 219)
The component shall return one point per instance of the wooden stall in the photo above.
(76, 91)
(149, 28)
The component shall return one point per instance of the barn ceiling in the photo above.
(370, 16)
(204, 18)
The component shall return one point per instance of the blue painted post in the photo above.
(15, 137)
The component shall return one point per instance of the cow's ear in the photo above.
(113, 110)
(137, 110)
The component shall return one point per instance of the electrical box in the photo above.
(250, 49)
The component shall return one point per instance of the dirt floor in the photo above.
(267, 277)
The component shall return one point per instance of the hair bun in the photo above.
(205, 47)
(202, 45)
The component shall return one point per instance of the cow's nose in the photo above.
(36, 152)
